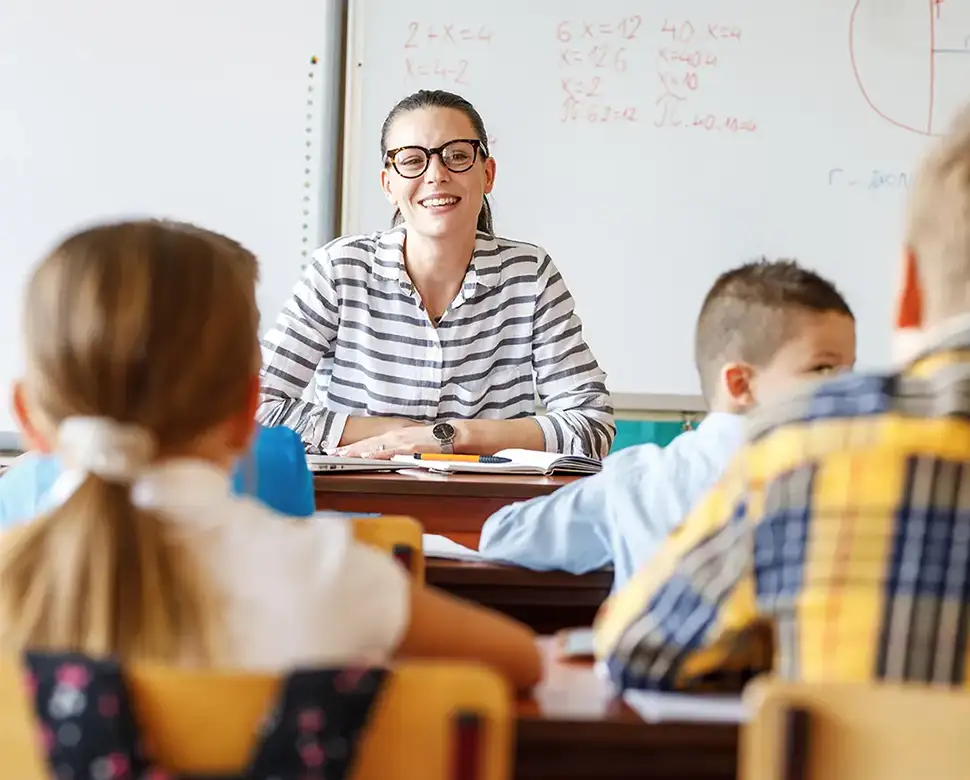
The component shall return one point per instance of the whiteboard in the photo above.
(212, 112)
(650, 146)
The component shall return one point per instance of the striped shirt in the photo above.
(841, 535)
(356, 321)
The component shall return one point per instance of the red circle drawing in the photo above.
(915, 123)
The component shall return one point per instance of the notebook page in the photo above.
(436, 546)
(540, 460)
(654, 707)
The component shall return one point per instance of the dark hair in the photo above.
(438, 98)
(746, 315)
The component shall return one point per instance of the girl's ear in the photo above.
(244, 424)
(33, 434)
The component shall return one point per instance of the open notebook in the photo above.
(521, 462)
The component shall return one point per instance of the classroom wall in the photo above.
(244, 137)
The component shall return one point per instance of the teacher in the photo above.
(435, 335)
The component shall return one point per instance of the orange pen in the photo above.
(461, 458)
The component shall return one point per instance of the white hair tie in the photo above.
(116, 452)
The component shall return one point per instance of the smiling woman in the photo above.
(435, 335)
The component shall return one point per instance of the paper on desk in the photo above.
(654, 707)
(436, 546)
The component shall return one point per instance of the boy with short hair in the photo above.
(763, 327)
(843, 527)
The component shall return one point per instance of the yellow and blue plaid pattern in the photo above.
(841, 533)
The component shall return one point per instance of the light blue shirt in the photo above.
(274, 471)
(621, 515)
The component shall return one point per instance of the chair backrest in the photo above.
(432, 721)
(802, 731)
(398, 535)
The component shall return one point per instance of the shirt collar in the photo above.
(722, 424)
(485, 268)
(389, 257)
(486, 265)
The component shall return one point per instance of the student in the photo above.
(150, 556)
(842, 527)
(274, 470)
(425, 337)
(763, 327)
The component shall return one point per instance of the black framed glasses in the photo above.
(457, 156)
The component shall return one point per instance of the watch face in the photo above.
(443, 431)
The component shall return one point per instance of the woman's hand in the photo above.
(359, 429)
(404, 441)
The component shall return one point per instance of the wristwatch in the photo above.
(444, 434)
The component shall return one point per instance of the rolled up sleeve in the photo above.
(570, 383)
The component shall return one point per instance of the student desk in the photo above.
(546, 601)
(574, 727)
(441, 503)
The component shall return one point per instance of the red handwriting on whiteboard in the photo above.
(689, 49)
(601, 57)
(720, 32)
(624, 29)
(450, 72)
(593, 54)
(425, 35)
(698, 58)
(442, 52)
(730, 124)
(575, 111)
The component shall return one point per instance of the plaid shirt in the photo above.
(838, 542)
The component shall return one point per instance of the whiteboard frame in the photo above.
(658, 402)
(355, 134)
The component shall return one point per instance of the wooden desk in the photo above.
(574, 727)
(547, 601)
(442, 504)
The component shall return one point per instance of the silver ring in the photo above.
(381, 448)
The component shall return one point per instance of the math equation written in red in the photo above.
(443, 53)
(687, 52)
(604, 63)
(596, 68)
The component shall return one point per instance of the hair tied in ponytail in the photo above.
(115, 452)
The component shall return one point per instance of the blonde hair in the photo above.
(938, 223)
(149, 324)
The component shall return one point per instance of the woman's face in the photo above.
(439, 201)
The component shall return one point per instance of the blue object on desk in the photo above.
(273, 471)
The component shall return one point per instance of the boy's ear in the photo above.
(736, 382)
(34, 438)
